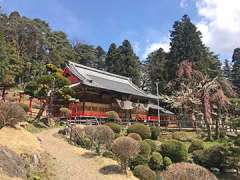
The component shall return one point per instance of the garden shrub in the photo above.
(103, 135)
(138, 160)
(113, 115)
(115, 127)
(144, 173)
(84, 142)
(183, 136)
(145, 149)
(174, 149)
(156, 161)
(152, 144)
(11, 114)
(135, 136)
(213, 157)
(166, 162)
(187, 171)
(155, 131)
(196, 145)
(24, 106)
(109, 154)
(140, 129)
(125, 148)
(65, 111)
(237, 141)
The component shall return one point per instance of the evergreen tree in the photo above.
(236, 67)
(111, 59)
(156, 68)
(101, 55)
(185, 44)
(128, 63)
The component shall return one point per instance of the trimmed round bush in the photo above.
(125, 148)
(140, 129)
(135, 136)
(196, 145)
(115, 127)
(174, 149)
(108, 154)
(155, 131)
(156, 161)
(213, 157)
(187, 171)
(24, 106)
(138, 160)
(145, 149)
(144, 173)
(166, 162)
(152, 144)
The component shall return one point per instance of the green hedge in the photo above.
(141, 129)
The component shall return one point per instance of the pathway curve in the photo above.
(73, 163)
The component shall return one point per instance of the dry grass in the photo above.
(19, 140)
(4, 177)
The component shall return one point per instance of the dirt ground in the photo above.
(73, 163)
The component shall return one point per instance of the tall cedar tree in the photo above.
(236, 67)
(123, 61)
(101, 55)
(185, 44)
(156, 69)
(227, 69)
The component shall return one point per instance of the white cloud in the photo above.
(184, 4)
(220, 24)
(155, 46)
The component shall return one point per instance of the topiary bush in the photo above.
(183, 136)
(155, 132)
(11, 114)
(113, 115)
(196, 145)
(135, 136)
(125, 148)
(138, 160)
(187, 171)
(166, 162)
(213, 157)
(156, 161)
(152, 144)
(144, 173)
(24, 106)
(115, 127)
(174, 149)
(145, 149)
(140, 129)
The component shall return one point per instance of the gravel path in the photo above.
(73, 163)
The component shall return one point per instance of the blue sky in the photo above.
(146, 23)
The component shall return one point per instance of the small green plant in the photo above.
(141, 129)
(174, 149)
(109, 154)
(144, 173)
(196, 145)
(115, 127)
(166, 162)
(145, 149)
(138, 160)
(152, 144)
(156, 161)
(135, 136)
(155, 132)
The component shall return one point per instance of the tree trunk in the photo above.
(40, 112)
(3, 93)
(209, 130)
(217, 124)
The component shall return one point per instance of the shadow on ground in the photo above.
(89, 155)
(110, 169)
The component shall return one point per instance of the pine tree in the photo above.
(156, 68)
(111, 59)
(129, 64)
(236, 67)
(227, 69)
(185, 44)
(101, 55)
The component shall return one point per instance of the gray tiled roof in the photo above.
(102, 79)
